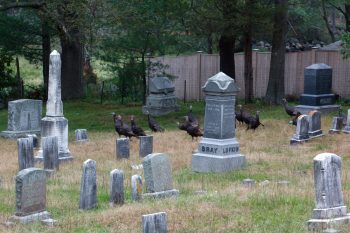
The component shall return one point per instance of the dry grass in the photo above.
(228, 206)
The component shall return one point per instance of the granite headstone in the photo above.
(49, 146)
(123, 148)
(337, 124)
(146, 145)
(88, 188)
(116, 187)
(347, 126)
(301, 131)
(154, 223)
(136, 188)
(315, 124)
(25, 153)
(81, 135)
(218, 150)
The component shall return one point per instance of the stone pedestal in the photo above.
(161, 99)
(317, 90)
(218, 150)
(23, 118)
(347, 126)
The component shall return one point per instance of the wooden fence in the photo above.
(194, 70)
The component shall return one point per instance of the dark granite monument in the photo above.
(317, 90)
(161, 99)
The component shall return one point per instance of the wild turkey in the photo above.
(153, 125)
(254, 122)
(291, 111)
(192, 118)
(192, 129)
(239, 114)
(136, 129)
(246, 116)
(121, 128)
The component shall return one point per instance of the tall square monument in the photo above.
(317, 90)
(218, 150)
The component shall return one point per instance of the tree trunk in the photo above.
(210, 43)
(227, 56)
(72, 68)
(347, 17)
(275, 88)
(248, 65)
(325, 18)
(46, 50)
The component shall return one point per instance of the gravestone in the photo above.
(301, 131)
(136, 187)
(337, 124)
(23, 118)
(54, 123)
(88, 186)
(161, 99)
(347, 126)
(146, 145)
(116, 187)
(35, 140)
(25, 153)
(218, 150)
(154, 223)
(49, 146)
(315, 124)
(122, 148)
(81, 135)
(330, 208)
(317, 90)
(30, 196)
(158, 177)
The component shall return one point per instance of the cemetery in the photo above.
(113, 119)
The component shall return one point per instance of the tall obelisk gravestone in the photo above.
(218, 151)
(54, 123)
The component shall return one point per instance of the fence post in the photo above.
(185, 90)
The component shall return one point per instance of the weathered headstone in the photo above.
(25, 153)
(146, 145)
(248, 181)
(23, 118)
(116, 187)
(161, 99)
(54, 123)
(302, 130)
(136, 187)
(122, 148)
(347, 126)
(49, 146)
(218, 150)
(35, 140)
(330, 206)
(154, 223)
(337, 124)
(317, 90)
(30, 196)
(81, 135)
(88, 188)
(315, 124)
(158, 177)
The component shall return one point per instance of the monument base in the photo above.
(30, 218)
(218, 164)
(305, 109)
(315, 134)
(62, 157)
(162, 194)
(334, 131)
(17, 134)
(322, 224)
(346, 130)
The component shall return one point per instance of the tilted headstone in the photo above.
(315, 124)
(329, 196)
(317, 90)
(136, 187)
(146, 145)
(81, 135)
(337, 124)
(116, 187)
(161, 99)
(218, 150)
(30, 196)
(23, 118)
(154, 223)
(122, 148)
(49, 146)
(25, 153)
(302, 130)
(88, 188)
(158, 177)
(347, 126)
(54, 123)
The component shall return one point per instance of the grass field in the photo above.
(227, 205)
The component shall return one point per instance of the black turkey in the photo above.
(138, 131)
(254, 122)
(191, 128)
(122, 128)
(291, 111)
(153, 124)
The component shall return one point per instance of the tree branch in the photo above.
(32, 4)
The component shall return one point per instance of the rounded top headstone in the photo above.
(54, 53)
(318, 66)
(220, 83)
(326, 155)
